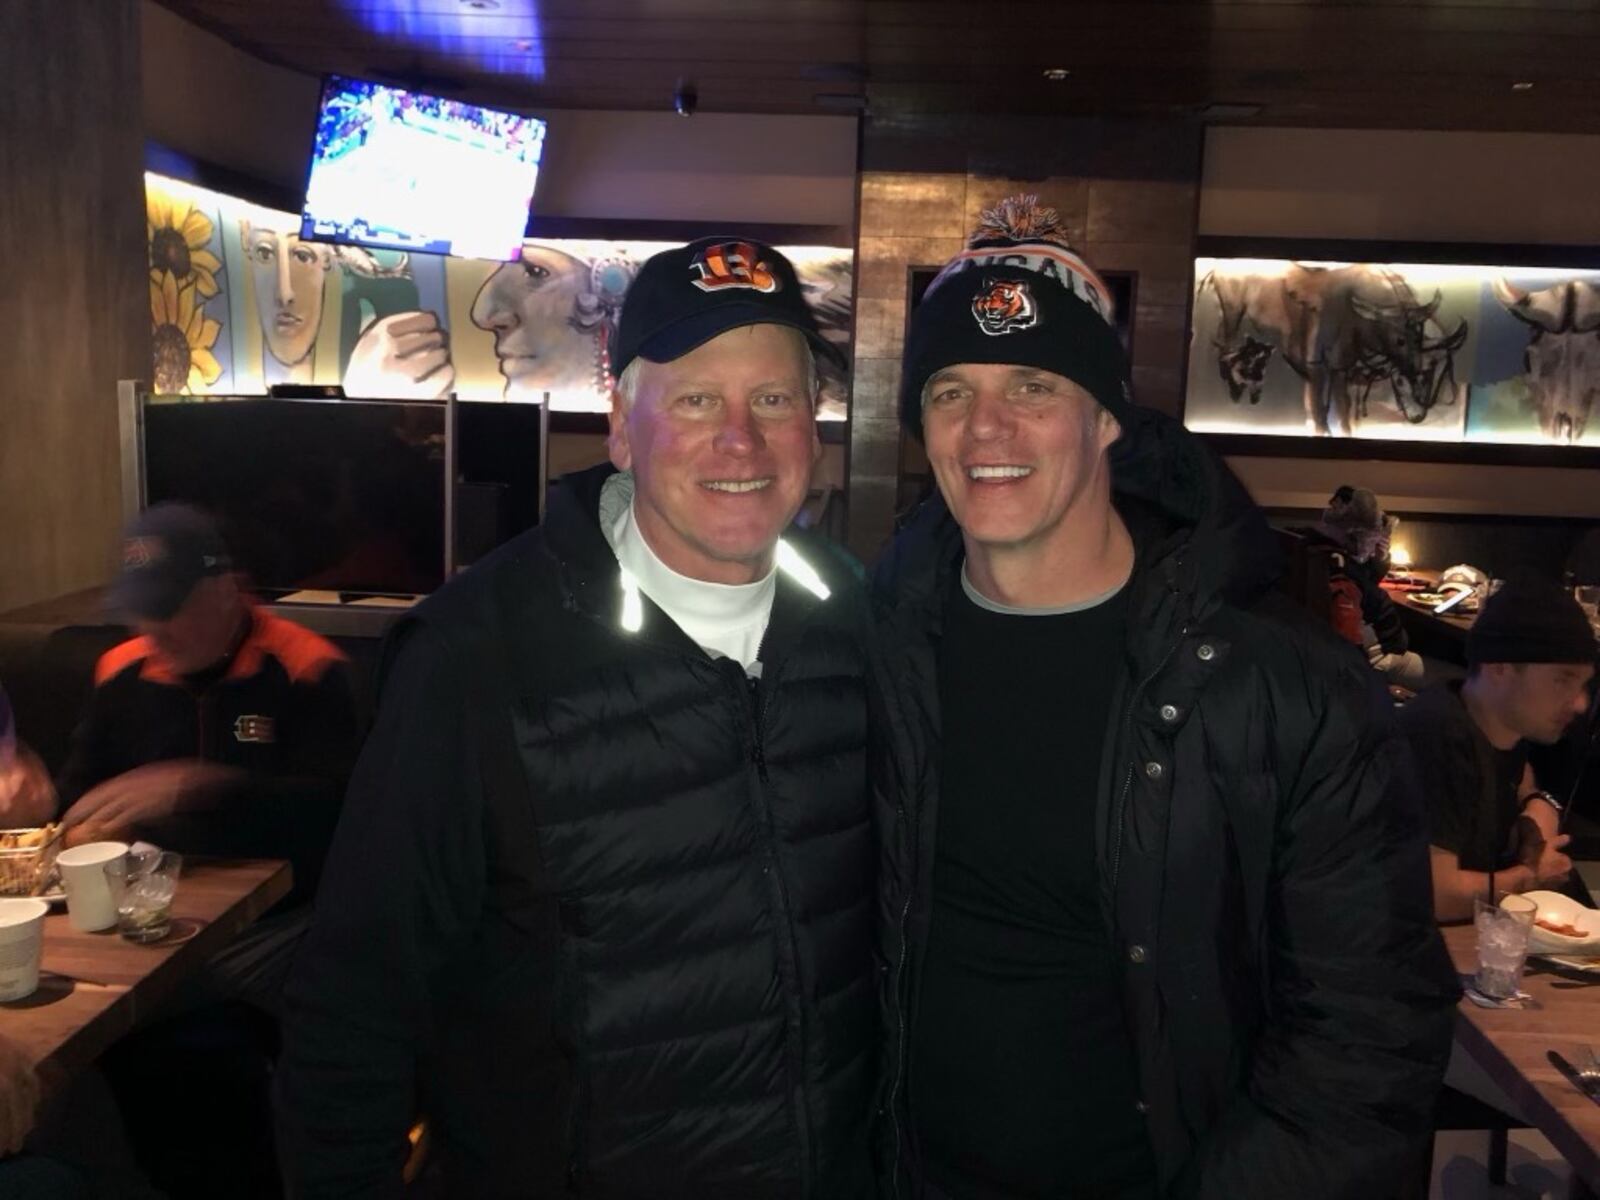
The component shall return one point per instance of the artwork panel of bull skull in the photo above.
(1328, 349)
(1422, 352)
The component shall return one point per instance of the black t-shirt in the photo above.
(1469, 789)
(1023, 1081)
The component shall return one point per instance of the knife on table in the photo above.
(1587, 1087)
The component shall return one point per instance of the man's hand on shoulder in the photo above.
(120, 806)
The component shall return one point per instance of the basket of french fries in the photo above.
(27, 859)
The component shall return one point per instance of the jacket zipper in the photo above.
(796, 1046)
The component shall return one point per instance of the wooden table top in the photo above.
(95, 987)
(1455, 622)
(1510, 1045)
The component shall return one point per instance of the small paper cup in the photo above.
(21, 945)
(90, 905)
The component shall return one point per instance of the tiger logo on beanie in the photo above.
(1004, 306)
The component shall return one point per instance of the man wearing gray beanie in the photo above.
(1531, 658)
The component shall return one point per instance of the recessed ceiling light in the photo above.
(481, 5)
(1524, 86)
(1056, 74)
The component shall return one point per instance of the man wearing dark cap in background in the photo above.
(601, 904)
(1531, 660)
(220, 728)
(1161, 915)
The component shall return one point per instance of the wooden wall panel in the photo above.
(75, 307)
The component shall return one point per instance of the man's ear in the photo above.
(617, 438)
(1108, 428)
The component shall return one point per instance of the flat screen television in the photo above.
(345, 496)
(406, 171)
(501, 460)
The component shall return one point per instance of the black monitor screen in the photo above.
(345, 496)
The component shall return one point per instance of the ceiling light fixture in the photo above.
(1056, 74)
(1524, 86)
(481, 5)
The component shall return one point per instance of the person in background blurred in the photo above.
(27, 797)
(1531, 658)
(220, 728)
(67, 1145)
(1357, 533)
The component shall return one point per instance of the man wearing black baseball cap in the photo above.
(1161, 912)
(1531, 660)
(220, 727)
(601, 904)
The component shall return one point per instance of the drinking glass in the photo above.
(1502, 944)
(143, 886)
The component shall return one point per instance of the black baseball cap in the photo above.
(166, 550)
(683, 298)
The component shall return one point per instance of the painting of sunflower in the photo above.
(182, 337)
(179, 234)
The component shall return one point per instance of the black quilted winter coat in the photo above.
(1262, 865)
(599, 907)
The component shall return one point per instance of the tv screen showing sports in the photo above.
(404, 171)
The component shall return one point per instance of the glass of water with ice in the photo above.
(143, 885)
(1502, 944)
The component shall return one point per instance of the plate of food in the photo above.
(1587, 964)
(1563, 926)
(28, 861)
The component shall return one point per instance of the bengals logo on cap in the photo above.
(1004, 306)
(732, 265)
(138, 552)
(254, 728)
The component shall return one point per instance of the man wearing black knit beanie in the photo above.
(1159, 922)
(1531, 658)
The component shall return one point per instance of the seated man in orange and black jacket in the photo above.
(220, 729)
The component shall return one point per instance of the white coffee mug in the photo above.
(90, 905)
(21, 944)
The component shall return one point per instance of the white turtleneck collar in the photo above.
(725, 620)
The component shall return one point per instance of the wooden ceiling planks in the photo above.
(1303, 62)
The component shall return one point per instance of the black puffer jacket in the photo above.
(1263, 874)
(599, 906)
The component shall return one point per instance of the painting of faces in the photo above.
(239, 303)
(1421, 352)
